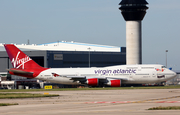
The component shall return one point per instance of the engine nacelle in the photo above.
(92, 82)
(114, 83)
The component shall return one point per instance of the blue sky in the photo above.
(92, 21)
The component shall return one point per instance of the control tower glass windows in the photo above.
(133, 5)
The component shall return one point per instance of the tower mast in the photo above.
(133, 12)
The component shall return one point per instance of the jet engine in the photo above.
(92, 81)
(114, 83)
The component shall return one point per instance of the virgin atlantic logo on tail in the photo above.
(17, 63)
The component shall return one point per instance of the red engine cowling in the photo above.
(114, 83)
(92, 81)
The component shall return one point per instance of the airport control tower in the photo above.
(133, 12)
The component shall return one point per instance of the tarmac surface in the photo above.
(96, 102)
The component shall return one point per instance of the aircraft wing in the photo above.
(85, 77)
(76, 77)
(96, 80)
(125, 79)
(88, 77)
(98, 77)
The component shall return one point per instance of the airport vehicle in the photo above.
(113, 76)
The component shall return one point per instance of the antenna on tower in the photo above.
(28, 42)
(58, 42)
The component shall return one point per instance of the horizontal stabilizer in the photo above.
(19, 71)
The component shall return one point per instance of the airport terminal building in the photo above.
(66, 55)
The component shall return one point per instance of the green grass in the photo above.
(165, 108)
(77, 89)
(8, 104)
(23, 95)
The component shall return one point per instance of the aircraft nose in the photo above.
(174, 74)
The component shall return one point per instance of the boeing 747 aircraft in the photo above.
(113, 76)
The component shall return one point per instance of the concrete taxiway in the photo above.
(96, 102)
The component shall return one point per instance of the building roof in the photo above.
(66, 46)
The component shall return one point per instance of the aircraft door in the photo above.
(154, 74)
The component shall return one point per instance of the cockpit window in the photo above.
(163, 67)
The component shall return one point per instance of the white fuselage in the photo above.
(129, 74)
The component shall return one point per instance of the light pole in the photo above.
(89, 57)
(166, 58)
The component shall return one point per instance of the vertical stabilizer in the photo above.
(19, 59)
(23, 65)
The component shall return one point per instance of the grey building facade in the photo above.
(67, 59)
(60, 55)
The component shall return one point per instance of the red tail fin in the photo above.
(23, 65)
(18, 59)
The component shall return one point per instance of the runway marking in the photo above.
(144, 101)
(168, 102)
(98, 102)
(123, 102)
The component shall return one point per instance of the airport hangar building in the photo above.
(66, 55)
